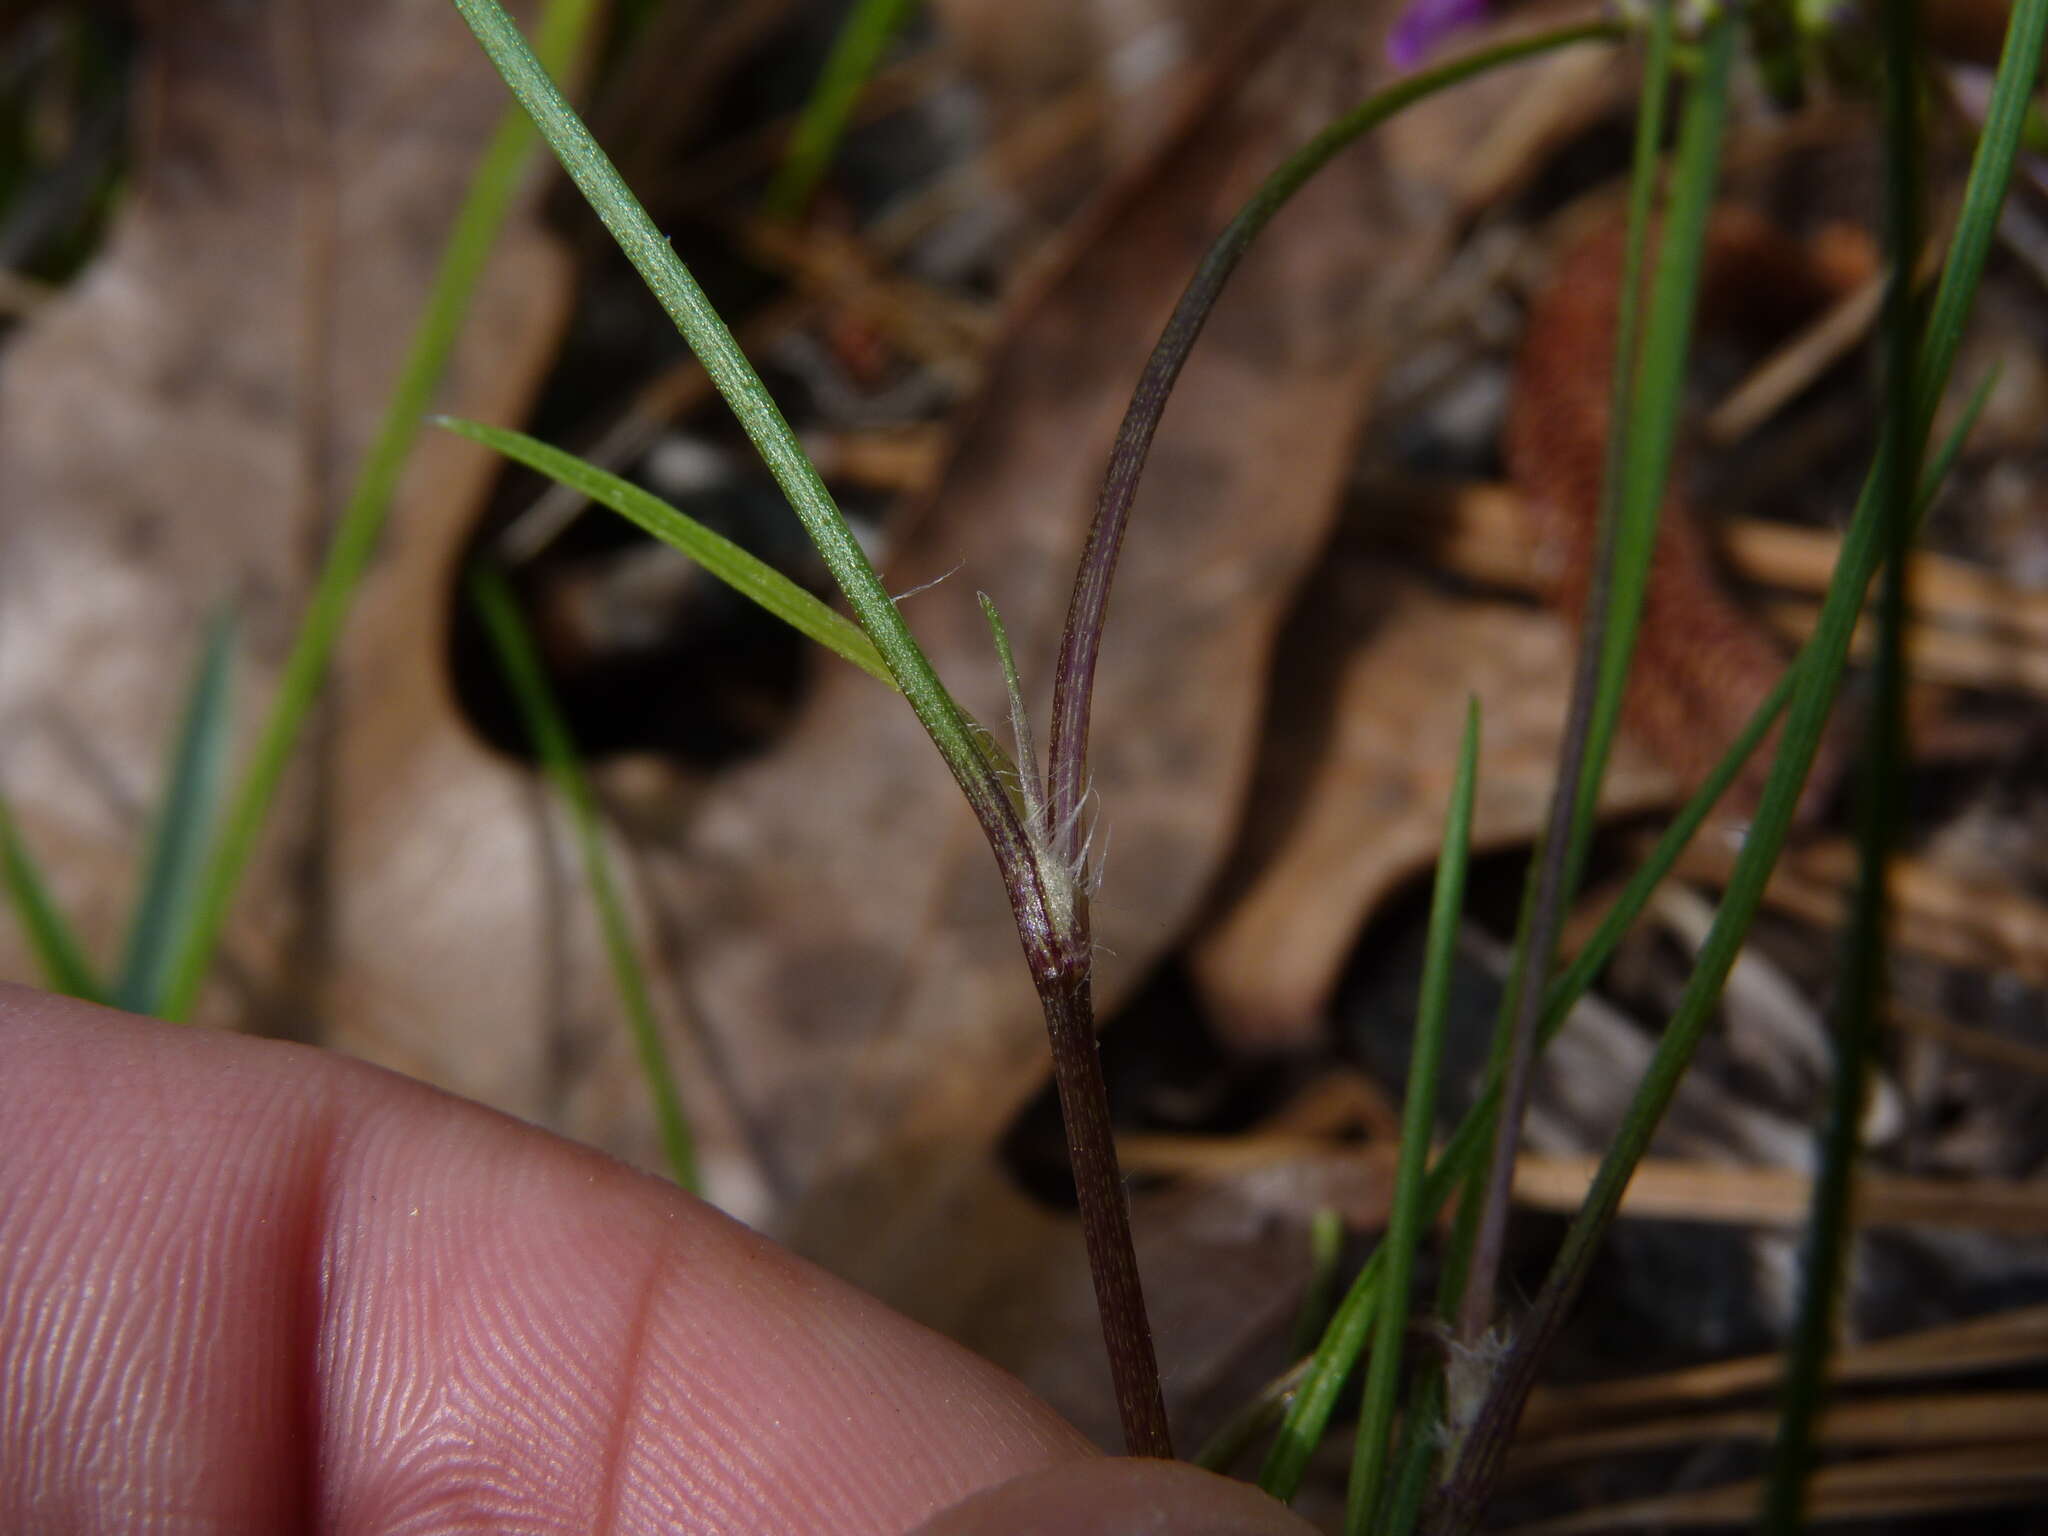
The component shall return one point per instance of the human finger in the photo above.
(249, 1286)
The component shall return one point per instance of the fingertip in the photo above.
(259, 1287)
(1118, 1498)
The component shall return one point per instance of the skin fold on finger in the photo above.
(1118, 1498)
(247, 1286)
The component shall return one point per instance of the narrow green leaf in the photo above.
(1258, 1415)
(1462, 1158)
(1418, 1120)
(1865, 958)
(1419, 1437)
(550, 734)
(750, 577)
(735, 379)
(1577, 977)
(1464, 1154)
(855, 53)
(492, 189)
(1656, 403)
(1319, 1296)
(167, 904)
(1998, 143)
(1815, 680)
(1607, 633)
(1301, 1431)
(1029, 788)
(1051, 925)
(57, 949)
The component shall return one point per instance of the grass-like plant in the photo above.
(171, 865)
(1901, 446)
(822, 123)
(559, 36)
(1033, 827)
(519, 661)
(1815, 678)
(1045, 890)
(200, 847)
(1631, 497)
(1418, 1124)
(1406, 1474)
(1032, 824)
(193, 866)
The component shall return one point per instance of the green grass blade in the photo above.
(1418, 1122)
(1463, 1154)
(1822, 660)
(1818, 674)
(750, 577)
(1301, 1430)
(1461, 1159)
(1865, 959)
(1257, 1416)
(491, 192)
(1998, 146)
(1319, 1297)
(181, 837)
(1656, 401)
(1643, 391)
(1418, 1456)
(735, 379)
(815, 139)
(550, 734)
(50, 936)
(1030, 788)
(1051, 921)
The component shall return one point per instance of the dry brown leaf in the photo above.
(1357, 776)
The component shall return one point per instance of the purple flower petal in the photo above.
(1426, 23)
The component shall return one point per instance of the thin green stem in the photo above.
(1816, 679)
(1829, 1233)
(679, 295)
(549, 732)
(1051, 916)
(1418, 1120)
(855, 53)
(1319, 1296)
(1461, 1161)
(179, 840)
(491, 193)
(1462, 1157)
(1607, 633)
(57, 948)
(1463, 1154)
(1418, 1456)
